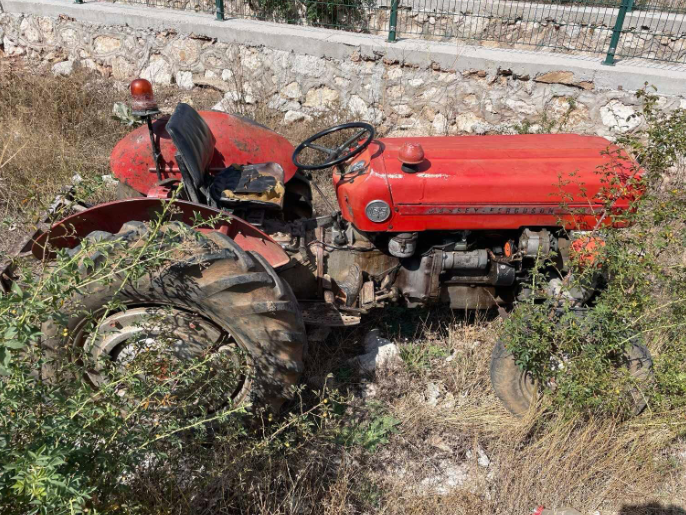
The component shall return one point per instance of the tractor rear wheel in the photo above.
(517, 389)
(217, 296)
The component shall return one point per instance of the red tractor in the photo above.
(457, 220)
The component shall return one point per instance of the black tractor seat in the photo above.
(235, 186)
(260, 183)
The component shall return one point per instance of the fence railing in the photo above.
(614, 29)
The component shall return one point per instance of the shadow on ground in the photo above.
(651, 509)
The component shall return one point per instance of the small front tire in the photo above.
(518, 391)
(515, 387)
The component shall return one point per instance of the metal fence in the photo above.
(619, 29)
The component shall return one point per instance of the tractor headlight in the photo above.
(378, 211)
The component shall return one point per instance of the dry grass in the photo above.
(51, 128)
(588, 464)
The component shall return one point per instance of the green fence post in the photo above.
(393, 21)
(220, 10)
(78, 1)
(617, 32)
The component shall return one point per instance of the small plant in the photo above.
(371, 434)
(335, 14)
(419, 357)
(547, 123)
(122, 112)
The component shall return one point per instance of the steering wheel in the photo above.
(351, 147)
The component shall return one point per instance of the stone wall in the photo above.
(407, 98)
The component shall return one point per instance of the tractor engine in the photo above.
(465, 269)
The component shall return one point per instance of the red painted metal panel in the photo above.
(111, 216)
(238, 141)
(486, 182)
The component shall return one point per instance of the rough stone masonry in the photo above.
(406, 96)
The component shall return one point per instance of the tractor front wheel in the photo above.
(518, 391)
(515, 387)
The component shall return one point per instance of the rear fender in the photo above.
(111, 216)
(238, 141)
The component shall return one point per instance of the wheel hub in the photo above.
(163, 344)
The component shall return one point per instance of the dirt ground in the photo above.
(445, 444)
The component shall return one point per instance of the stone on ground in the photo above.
(379, 353)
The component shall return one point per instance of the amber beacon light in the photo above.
(143, 97)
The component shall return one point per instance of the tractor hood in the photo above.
(487, 182)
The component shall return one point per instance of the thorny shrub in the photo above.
(64, 445)
(576, 354)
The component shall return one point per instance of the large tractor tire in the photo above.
(215, 292)
(517, 390)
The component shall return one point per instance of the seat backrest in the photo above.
(194, 142)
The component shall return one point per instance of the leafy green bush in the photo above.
(372, 433)
(348, 14)
(576, 355)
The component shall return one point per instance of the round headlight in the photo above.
(378, 211)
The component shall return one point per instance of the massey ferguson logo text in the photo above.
(497, 210)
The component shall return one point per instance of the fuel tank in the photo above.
(483, 182)
(238, 141)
